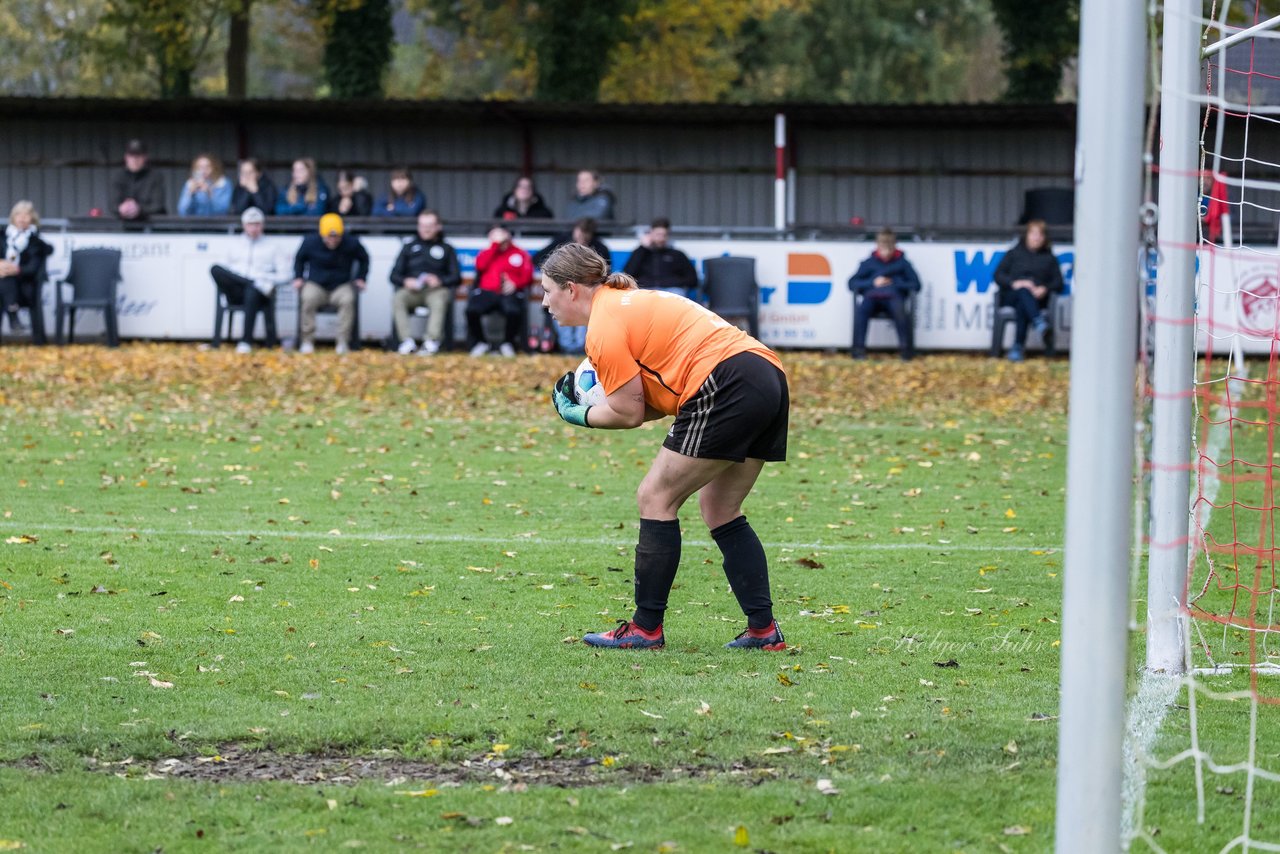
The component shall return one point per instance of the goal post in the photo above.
(1173, 361)
(1100, 449)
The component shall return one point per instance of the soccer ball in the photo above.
(587, 384)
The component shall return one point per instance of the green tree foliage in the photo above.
(467, 49)
(867, 51)
(573, 42)
(1037, 45)
(681, 50)
(169, 36)
(357, 46)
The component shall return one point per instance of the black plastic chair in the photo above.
(224, 316)
(1054, 205)
(1007, 314)
(94, 278)
(33, 302)
(731, 289)
(911, 318)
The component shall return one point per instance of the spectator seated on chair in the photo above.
(426, 273)
(1026, 276)
(351, 196)
(254, 189)
(137, 192)
(307, 194)
(504, 272)
(523, 202)
(21, 267)
(590, 199)
(403, 197)
(884, 285)
(253, 269)
(207, 192)
(656, 264)
(572, 339)
(329, 269)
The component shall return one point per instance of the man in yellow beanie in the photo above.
(329, 269)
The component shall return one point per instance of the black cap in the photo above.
(135, 146)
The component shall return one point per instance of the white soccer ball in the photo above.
(587, 384)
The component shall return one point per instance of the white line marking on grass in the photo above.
(509, 539)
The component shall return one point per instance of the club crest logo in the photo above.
(1259, 303)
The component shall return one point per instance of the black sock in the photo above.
(657, 559)
(747, 570)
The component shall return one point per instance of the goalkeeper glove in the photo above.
(565, 399)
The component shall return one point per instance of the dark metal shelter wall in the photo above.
(957, 167)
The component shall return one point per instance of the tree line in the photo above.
(747, 51)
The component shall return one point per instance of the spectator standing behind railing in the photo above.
(329, 269)
(1026, 275)
(572, 339)
(885, 281)
(207, 192)
(253, 269)
(137, 192)
(352, 197)
(425, 274)
(307, 195)
(403, 197)
(523, 202)
(591, 199)
(503, 272)
(658, 265)
(254, 189)
(24, 252)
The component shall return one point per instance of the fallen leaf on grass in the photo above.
(826, 787)
(504, 820)
(1017, 830)
(741, 838)
(650, 714)
(429, 793)
(703, 709)
(159, 683)
(23, 540)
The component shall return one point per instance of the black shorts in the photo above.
(740, 412)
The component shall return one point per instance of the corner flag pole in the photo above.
(1100, 429)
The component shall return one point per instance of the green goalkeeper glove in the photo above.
(566, 403)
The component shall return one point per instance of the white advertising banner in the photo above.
(166, 291)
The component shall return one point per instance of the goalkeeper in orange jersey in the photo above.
(658, 354)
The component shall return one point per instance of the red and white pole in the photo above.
(780, 172)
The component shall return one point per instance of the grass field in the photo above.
(279, 602)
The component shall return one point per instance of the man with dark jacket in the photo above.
(425, 274)
(884, 282)
(329, 269)
(137, 192)
(656, 264)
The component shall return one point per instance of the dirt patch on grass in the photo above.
(240, 764)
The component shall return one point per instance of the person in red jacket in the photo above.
(504, 272)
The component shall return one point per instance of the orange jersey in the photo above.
(672, 343)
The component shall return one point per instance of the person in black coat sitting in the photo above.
(885, 282)
(523, 202)
(657, 264)
(21, 264)
(254, 190)
(1026, 275)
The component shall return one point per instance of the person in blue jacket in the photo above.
(403, 199)
(207, 192)
(307, 194)
(1026, 275)
(884, 281)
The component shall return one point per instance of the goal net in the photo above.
(1205, 745)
